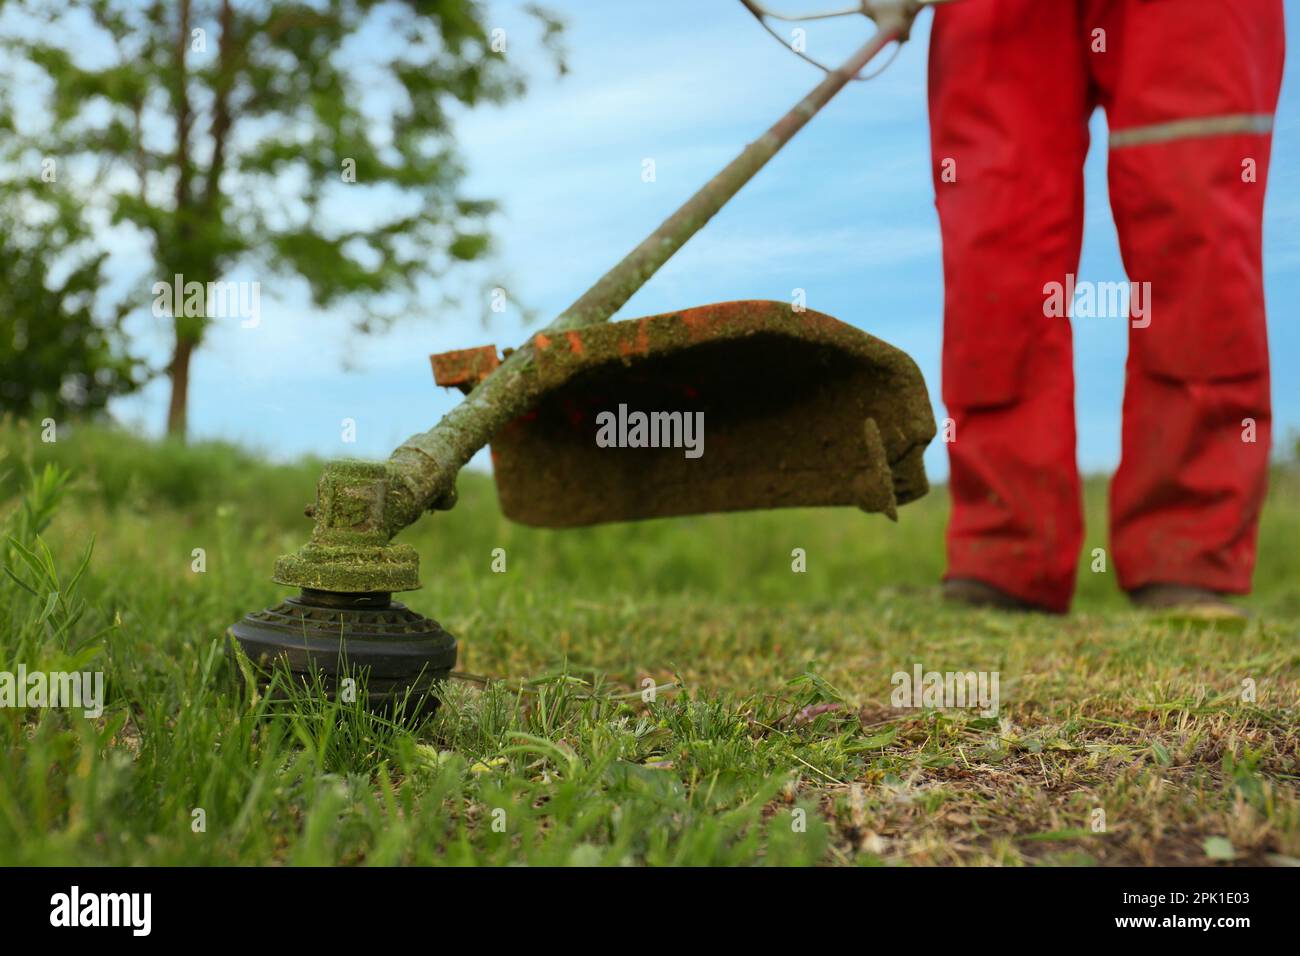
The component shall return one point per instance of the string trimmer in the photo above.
(801, 410)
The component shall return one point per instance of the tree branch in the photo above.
(221, 119)
(184, 120)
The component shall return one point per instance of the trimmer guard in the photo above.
(799, 409)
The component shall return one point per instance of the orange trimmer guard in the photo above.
(725, 407)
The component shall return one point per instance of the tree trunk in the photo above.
(180, 376)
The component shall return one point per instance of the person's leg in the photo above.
(1008, 115)
(1189, 90)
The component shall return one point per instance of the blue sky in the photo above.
(845, 212)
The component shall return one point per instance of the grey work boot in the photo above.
(975, 593)
(1198, 602)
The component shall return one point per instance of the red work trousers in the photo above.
(1189, 88)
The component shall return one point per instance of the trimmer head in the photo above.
(401, 653)
(798, 409)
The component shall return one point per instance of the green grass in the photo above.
(778, 743)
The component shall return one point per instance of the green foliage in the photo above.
(307, 141)
(57, 357)
(118, 470)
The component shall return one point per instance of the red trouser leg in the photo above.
(1008, 110)
(1190, 89)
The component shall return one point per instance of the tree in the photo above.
(227, 134)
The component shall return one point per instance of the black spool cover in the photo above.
(342, 635)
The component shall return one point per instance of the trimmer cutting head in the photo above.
(396, 655)
(782, 408)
